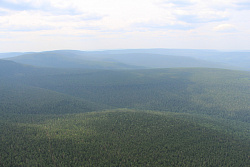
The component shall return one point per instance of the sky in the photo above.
(39, 25)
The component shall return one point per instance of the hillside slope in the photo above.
(48, 117)
(11, 54)
(106, 60)
(228, 59)
(20, 99)
(67, 59)
(122, 138)
(152, 60)
(221, 93)
(125, 59)
(214, 92)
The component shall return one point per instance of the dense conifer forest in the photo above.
(133, 117)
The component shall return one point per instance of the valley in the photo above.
(68, 113)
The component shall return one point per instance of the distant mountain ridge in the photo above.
(130, 59)
(136, 117)
(196, 90)
(66, 59)
(152, 60)
(240, 59)
(8, 68)
(12, 54)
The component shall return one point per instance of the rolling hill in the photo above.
(134, 58)
(227, 59)
(9, 68)
(11, 54)
(25, 99)
(111, 60)
(151, 60)
(214, 92)
(137, 117)
(20, 99)
(122, 138)
(67, 59)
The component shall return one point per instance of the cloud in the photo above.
(26, 21)
(37, 5)
(202, 18)
(17, 6)
(37, 16)
(38, 21)
(3, 12)
(153, 25)
(225, 28)
(31, 28)
(243, 5)
(176, 3)
(197, 11)
(91, 17)
(125, 19)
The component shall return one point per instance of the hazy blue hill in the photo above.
(239, 59)
(62, 117)
(67, 59)
(216, 92)
(228, 59)
(9, 68)
(24, 99)
(152, 60)
(174, 52)
(124, 59)
(10, 54)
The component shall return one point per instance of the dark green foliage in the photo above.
(122, 138)
(19, 99)
(204, 118)
(10, 68)
(215, 92)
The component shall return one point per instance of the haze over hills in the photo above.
(120, 107)
(9, 68)
(136, 58)
(177, 90)
(11, 54)
(204, 54)
(238, 59)
(67, 59)
(152, 60)
(86, 112)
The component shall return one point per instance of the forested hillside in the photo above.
(143, 117)
(122, 138)
(215, 92)
(19, 99)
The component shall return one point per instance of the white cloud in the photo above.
(225, 28)
(155, 20)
